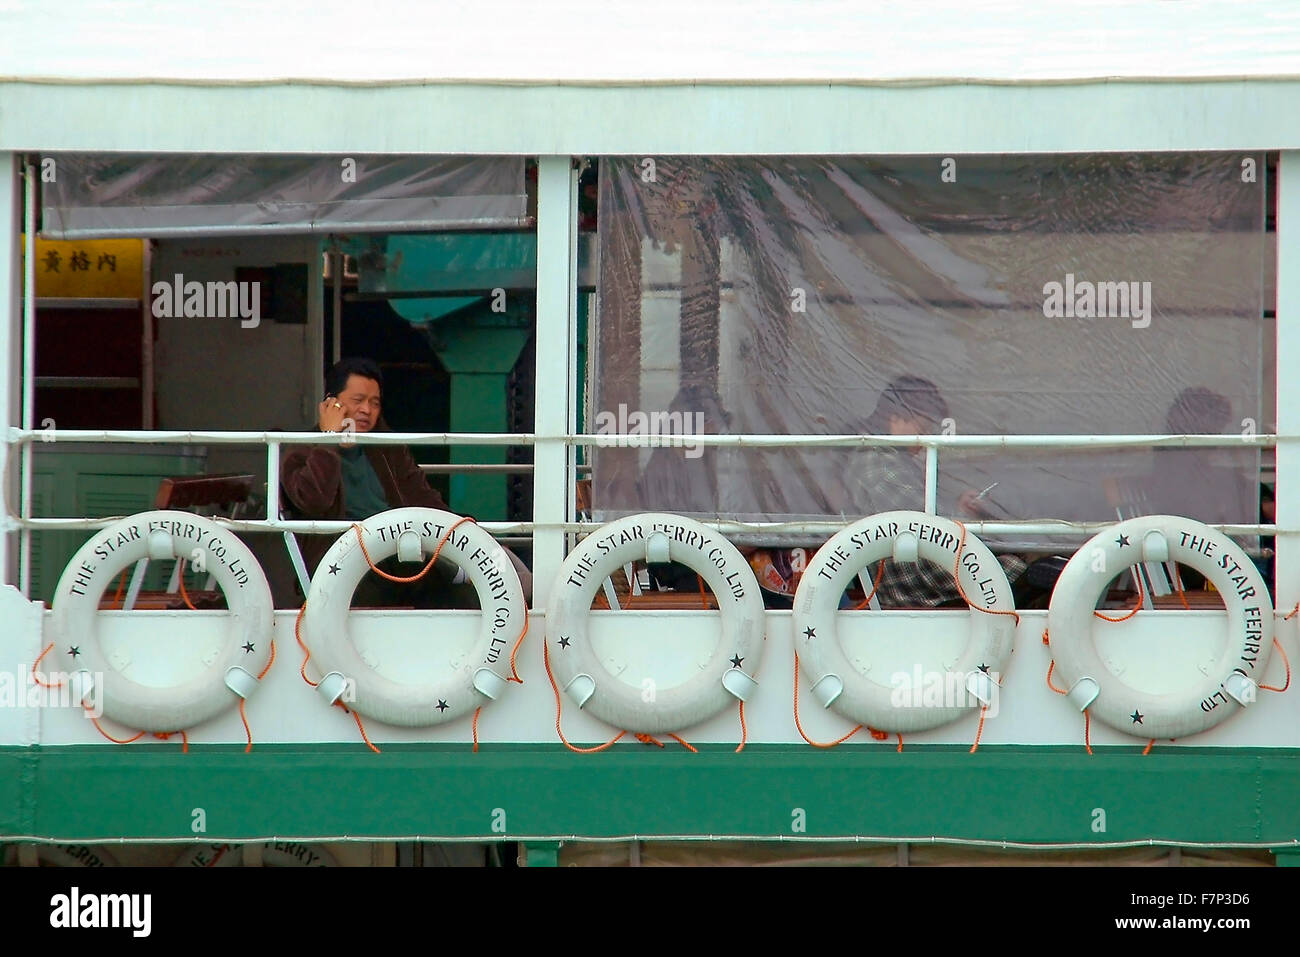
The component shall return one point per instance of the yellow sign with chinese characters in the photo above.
(89, 269)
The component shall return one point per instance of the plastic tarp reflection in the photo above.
(1097, 294)
(103, 194)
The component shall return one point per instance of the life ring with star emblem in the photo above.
(128, 692)
(274, 854)
(1231, 675)
(60, 855)
(469, 678)
(725, 673)
(859, 688)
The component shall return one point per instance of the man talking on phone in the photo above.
(354, 482)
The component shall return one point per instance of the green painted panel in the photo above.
(69, 482)
(478, 405)
(1017, 795)
(48, 556)
(479, 351)
(542, 854)
(17, 788)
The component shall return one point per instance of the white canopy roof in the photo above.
(648, 75)
(673, 41)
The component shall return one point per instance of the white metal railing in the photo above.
(933, 443)
(20, 436)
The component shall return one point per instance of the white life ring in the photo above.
(67, 855)
(1231, 677)
(274, 854)
(657, 537)
(474, 678)
(227, 674)
(879, 701)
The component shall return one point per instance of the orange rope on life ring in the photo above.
(35, 664)
(423, 571)
(823, 744)
(956, 577)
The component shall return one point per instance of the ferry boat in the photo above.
(860, 437)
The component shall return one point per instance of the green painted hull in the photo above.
(1040, 796)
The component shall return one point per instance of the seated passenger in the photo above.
(1267, 516)
(1211, 485)
(332, 482)
(885, 479)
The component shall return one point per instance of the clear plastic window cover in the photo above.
(1075, 294)
(124, 194)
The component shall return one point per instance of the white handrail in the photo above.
(735, 529)
(1163, 440)
(821, 528)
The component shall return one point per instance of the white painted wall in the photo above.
(1154, 650)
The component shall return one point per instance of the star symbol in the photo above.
(1136, 716)
(442, 705)
(249, 648)
(1122, 541)
(736, 660)
(74, 650)
(564, 642)
(334, 569)
(810, 632)
(984, 668)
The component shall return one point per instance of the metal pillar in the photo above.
(557, 186)
(479, 356)
(1287, 565)
(10, 344)
(29, 374)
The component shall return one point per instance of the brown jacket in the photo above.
(311, 485)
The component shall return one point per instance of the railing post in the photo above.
(1287, 545)
(931, 479)
(554, 410)
(29, 375)
(10, 343)
(272, 481)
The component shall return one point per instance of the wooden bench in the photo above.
(660, 601)
(223, 495)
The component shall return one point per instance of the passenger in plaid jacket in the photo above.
(888, 478)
